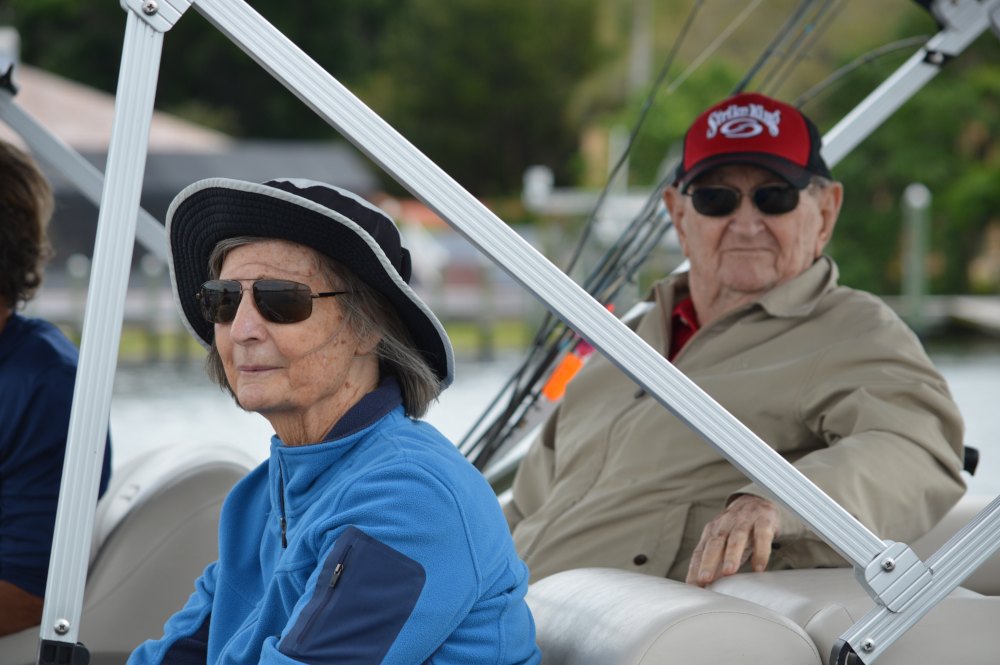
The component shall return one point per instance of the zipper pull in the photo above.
(284, 536)
(337, 570)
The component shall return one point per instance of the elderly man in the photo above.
(827, 375)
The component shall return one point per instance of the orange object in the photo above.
(567, 368)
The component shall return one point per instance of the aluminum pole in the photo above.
(101, 332)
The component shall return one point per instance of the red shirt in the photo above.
(683, 324)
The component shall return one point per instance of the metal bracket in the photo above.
(161, 15)
(953, 562)
(937, 58)
(894, 577)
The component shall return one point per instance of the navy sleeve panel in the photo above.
(191, 650)
(363, 597)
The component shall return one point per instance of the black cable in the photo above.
(772, 46)
(809, 36)
(643, 112)
(861, 60)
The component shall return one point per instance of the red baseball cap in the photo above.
(750, 128)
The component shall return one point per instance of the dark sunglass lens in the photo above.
(282, 301)
(219, 300)
(715, 201)
(776, 199)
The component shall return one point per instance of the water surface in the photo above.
(176, 406)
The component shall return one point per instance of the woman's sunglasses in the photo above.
(277, 300)
(718, 200)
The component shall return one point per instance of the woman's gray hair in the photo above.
(366, 312)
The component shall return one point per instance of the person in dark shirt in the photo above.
(37, 373)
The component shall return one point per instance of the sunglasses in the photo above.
(719, 200)
(277, 300)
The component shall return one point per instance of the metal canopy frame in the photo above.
(903, 586)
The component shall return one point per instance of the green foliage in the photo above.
(489, 87)
(948, 138)
(658, 143)
(482, 86)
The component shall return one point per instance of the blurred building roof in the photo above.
(82, 116)
(180, 152)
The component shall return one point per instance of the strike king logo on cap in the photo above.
(757, 130)
(739, 122)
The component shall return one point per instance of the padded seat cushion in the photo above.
(961, 629)
(596, 616)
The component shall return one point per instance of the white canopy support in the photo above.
(102, 321)
(903, 585)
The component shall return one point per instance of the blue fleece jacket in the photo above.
(37, 373)
(381, 544)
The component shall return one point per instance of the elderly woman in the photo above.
(366, 537)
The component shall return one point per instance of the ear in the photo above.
(829, 201)
(674, 201)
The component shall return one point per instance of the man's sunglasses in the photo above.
(277, 300)
(719, 200)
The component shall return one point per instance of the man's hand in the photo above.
(745, 529)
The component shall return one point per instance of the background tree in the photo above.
(483, 86)
(948, 138)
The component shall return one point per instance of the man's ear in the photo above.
(674, 201)
(831, 198)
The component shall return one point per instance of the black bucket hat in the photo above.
(330, 220)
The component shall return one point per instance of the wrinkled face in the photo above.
(287, 369)
(749, 252)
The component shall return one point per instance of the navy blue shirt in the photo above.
(37, 372)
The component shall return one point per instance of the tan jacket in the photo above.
(828, 376)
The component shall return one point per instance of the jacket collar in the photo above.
(295, 470)
(795, 298)
(798, 297)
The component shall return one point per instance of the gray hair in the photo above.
(819, 182)
(366, 312)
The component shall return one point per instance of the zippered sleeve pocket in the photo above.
(363, 595)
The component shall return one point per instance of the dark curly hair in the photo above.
(26, 205)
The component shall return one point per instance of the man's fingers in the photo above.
(763, 537)
(711, 559)
(744, 531)
(736, 550)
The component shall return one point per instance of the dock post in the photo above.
(916, 215)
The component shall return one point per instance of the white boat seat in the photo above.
(601, 616)
(986, 578)
(961, 629)
(597, 616)
(155, 530)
